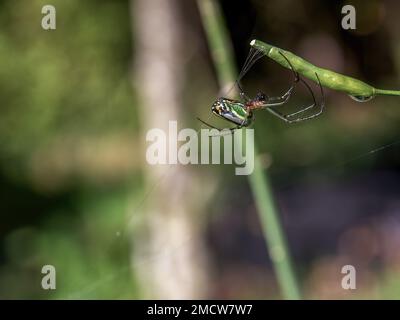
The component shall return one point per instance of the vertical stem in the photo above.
(273, 233)
(221, 52)
(220, 46)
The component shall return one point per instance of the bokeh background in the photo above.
(77, 192)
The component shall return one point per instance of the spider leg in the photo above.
(306, 108)
(242, 95)
(231, 130)
(287, 119)
(278, 101)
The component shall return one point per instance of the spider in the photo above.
(241, 112)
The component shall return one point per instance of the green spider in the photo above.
(241, 112)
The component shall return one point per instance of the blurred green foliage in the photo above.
(72, 81)
(62, 93)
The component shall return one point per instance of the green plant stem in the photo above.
(387, 92)
(273, 233)
(221, 52)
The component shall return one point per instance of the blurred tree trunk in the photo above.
(169, 257)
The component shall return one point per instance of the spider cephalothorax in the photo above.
(258, 102)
